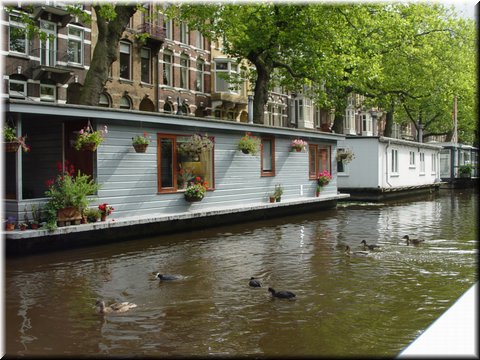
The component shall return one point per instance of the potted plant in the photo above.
(272, 197)
(298, 145)
(92, 214)
(196, 190)
(67, 195)
(36, 213)
(323, 179)
(465, 170)
(12, 141)
(105, 210)
(249, 144)
(88, 139)
(196, 144)
(317, 191)
(185, 175)
(10, 223)
(141, 142)
(278, 192)
(22, 226)
(345, 155)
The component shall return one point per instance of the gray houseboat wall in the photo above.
(129, 180)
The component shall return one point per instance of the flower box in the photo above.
(70, 215)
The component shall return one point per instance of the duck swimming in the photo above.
(113, 308)
(254, 282)
(165, 277)
(349, 252)
(370, 247)
(413, 241)
(282, 294)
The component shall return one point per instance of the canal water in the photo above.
(345, 306)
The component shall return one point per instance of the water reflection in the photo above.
(344, 305)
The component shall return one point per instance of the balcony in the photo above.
(48, 68)
(157, 34)
(53, 7)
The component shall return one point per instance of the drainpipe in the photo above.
(386, 163)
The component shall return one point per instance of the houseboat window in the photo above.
(268, 156)
(394, 161)
(434, 163)
(445, 163)
(125, 61)
(412, 158)
(422, 163)
(178, 164)
(319, 157)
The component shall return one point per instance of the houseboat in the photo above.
(150, 186)
(458, 165)
(381, 168)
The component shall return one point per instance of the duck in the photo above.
(113, 308)
(164, 277)
(254, 282)
(413, 241)
(349, 252)
(284, 294)
(370, 247)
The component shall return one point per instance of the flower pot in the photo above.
(34, 226)
(89, 146)
(140, 148)
(70, 215)
(103, 217)
(12, 146)
(298, 149)
(245, 151)
(9, 226)
(317, 193)
(192, 199)
(23, 227)
(278, 199)
(272, 199)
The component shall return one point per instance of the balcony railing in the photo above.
(156, 32)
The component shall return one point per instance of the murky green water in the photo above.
(373, 306)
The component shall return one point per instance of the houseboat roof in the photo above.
(169, 120)
(383, 139)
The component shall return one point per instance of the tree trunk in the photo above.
(337, 126)
(105, 52)
(260, 98)
(388, 131)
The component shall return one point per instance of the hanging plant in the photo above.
(12, 141)
(345, 155)
(88, 139)
(196, 144)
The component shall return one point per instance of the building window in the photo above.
(184, 71)
(298, 118)
(176, 167)
(200, 76)
(168, 107)
(422, 163)
(125, 102)
(319, 159)
(49, 45)
(145, 65)
(412, 158)
(434, 163)
(394, 167)
(17, 88)
(167, 68)
(199, 40)
(75, 45)
(48, 92)
(268, 156)
(104, 100)
(17, 36)
(167, 28)
(224, 70)
(125, 61)
(183, 32)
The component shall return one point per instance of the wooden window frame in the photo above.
(174, 188)
(315, 151)
(265, 173)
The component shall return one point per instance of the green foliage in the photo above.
(88, 135)
(68, 190)
(141, 139)
(196, 189)
(249, 144)
(92, 214)
(278, 192)
(466, 169)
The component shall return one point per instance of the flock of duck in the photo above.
(349, 252)
(101, 308)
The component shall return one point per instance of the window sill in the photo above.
(19, 55)
(125, 81)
